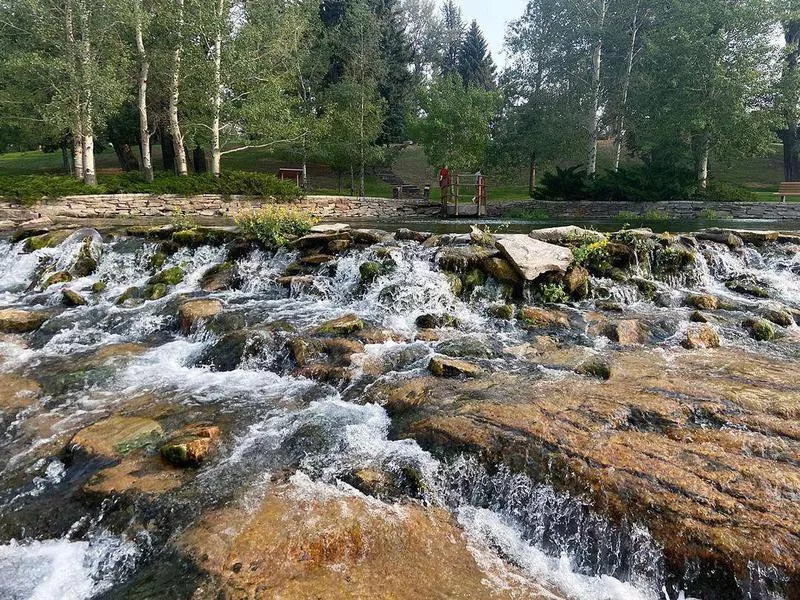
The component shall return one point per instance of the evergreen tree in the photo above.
(475, 61)
(452, 38)
(396, 86)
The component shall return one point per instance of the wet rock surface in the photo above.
(366, 414)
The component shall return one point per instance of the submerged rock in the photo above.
(308, 540)
(13, 320)
(116, 436)
(540, 318)
(56, 278)
(667, 441)
(532, 258)
(429, 321)
(702, 301)
(171, 276)
(626, 333)
(86, 262)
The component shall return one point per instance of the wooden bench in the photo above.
(788, 188)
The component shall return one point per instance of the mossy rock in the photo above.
(747, 286)
(85, 264)
(72, 298)
(219, 277)
(56, 278)
(189, 237)
(647, 288)
(39, 242)
(132, 293)
(778, 315)
(98, 287)
(501, 270)
(371, 270)
(429, 321)
(702, 301)
(456, 285)
(595, 367)
(473, 279)
(155, 291)
(341, 326)
(171, 276)
(760, 329)
(502, 311)
(157, 261)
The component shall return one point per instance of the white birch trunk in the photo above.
(174, 98)
(626, 85)
(144, 72)
(702, 163)
(594, 120)
(216, 149)
(89, 173)
(362, 190)
(77, 128)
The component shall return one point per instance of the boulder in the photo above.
(443, 366)
(414, 236)
(171, 276)
(570, 234)
(533, 317)
(532, 258)
(341, 326)
(429, 321)
(576, 282)
(698, 317)
(13, 320)
(193, 312)
(330, 228)
(626, 333)
(466, 346)
(86, 262)
(700, 336)
(219, 277)
(595, 367)
(371, 270)
(760, 329)
(747, 286)
(729, 239)
(370, 236)
(72, 298)
(338, 246)
(758, 238)
(56, 278)
(702, 301)
(502, 311)
(501, 270)
(778, 314)
(191, 447)
(460, 259)
(116, 436)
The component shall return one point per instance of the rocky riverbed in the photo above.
(364, 414)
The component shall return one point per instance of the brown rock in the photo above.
(540, 318)
(307, 540)
(702, 301)
(141, 474)
(192, 446)
(700, 336)
(192, 312)
(576, 282)
(116, 436)
(443, 366)
(17, 392)
(626, 333)
(14, 320)
(341, 326)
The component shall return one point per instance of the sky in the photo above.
(492, 16)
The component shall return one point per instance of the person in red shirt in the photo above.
(444, 183)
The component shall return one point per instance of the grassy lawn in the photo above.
(760, 174)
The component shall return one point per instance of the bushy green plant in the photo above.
(554, 293)
(527, 215)
(593, 256)
(275, 226)
(642, 183)
(32, 188)
(563, 184)
(181, 221)
(719, 191)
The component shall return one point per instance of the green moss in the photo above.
(157, 261)
(38, 242)
(55, 278)
(99, 287)
(155, 292)
(473, 279)
(171, 276)
(371, 270)
(596, 367)
(762, 330)
(502, 311)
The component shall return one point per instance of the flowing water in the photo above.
(54, 545)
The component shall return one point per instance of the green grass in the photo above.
(761, 175)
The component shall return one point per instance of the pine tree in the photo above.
(452, 37)
(397, 83)
(475, 62)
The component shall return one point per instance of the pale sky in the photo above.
(492, 17)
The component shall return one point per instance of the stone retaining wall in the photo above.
(344, 207)
(773, 211)
(145, 205)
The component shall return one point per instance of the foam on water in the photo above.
(62, 569)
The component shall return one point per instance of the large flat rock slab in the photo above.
(532, 258)
(703, 448)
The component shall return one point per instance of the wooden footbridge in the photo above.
(466, 197)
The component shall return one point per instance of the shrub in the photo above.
(31, 188)
(719, 191)
(527, 215)
(275, 226)
(563, 184)
(593, 256)
(244, 183)
(643, 184)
